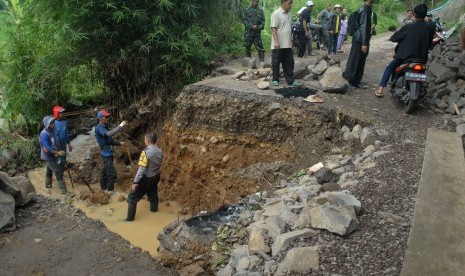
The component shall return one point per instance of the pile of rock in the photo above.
(325, 73)
(328, 71)
(284, 226)
(14, 192)
(446, 77)
(7, 161)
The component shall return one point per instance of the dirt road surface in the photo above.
(53, 238)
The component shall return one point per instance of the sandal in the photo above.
(314, 99)
(379, 95)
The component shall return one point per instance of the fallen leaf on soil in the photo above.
(37, 240)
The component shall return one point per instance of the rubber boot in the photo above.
(154, 205)
(62, 185)
(261, 57)
(48, 184)
(248, 53)
(132, 207)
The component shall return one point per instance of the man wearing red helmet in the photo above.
(61, 142)
(104, 135)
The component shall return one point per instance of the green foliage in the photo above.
(73, 49)
(27, 150)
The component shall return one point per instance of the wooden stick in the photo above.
(129, 155)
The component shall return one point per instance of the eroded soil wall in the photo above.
(223, 144)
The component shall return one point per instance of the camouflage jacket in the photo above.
(253, 16)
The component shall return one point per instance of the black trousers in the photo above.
(355, 64)
(149, 186)
(286, 58)
(302, 45)
(108, 175)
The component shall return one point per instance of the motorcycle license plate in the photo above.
(409, 76)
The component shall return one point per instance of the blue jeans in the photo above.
(389, 71)
(332, 44)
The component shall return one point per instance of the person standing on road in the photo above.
(343, 32)
(254, 22)
(104, 135)
(281, 43)
(147, 177)
(360, 46)
(311, 26)
(305, 33)
(323, 17)
(50, 154)
(408, 18)
(334, 29)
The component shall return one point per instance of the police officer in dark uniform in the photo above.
(254, 22)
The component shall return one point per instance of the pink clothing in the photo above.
(342, 34)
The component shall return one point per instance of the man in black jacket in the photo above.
(360, 44)
(414, 40)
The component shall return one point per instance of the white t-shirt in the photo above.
(282, 21)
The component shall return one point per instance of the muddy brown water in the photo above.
(142, 232)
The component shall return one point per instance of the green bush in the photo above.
(27, 150)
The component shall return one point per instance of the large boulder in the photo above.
(321, 68)
(7, 212)
(300, 69)
(333, 70)
(285, 240)
(334, 82)
(367, 137)
(299, 260)
(27, 190)
(325, 175)
(7, 185)
(249, 62)
(340, 219)
(257, 241)
(336, 198)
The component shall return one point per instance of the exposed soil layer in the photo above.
(53, 238)
(224, 144)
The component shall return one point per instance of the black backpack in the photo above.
(352, 23)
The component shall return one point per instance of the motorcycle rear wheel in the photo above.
(411, 106)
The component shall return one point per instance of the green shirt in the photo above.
(253, 16)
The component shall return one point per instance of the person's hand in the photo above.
(364, 49)
(70, 148)
(330, 32)
(254, 27)
(306, 34)
(61, 153)
(134, 186)
(276, 45)
(125, 144)
(123, 123)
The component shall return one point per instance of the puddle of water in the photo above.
(142, 232)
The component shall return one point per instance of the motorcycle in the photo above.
(317, 36)
(441, 34)
(409, 84)
(295, 31)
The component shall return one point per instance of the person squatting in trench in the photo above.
(147, 177)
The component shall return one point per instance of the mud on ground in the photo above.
(54, 238)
